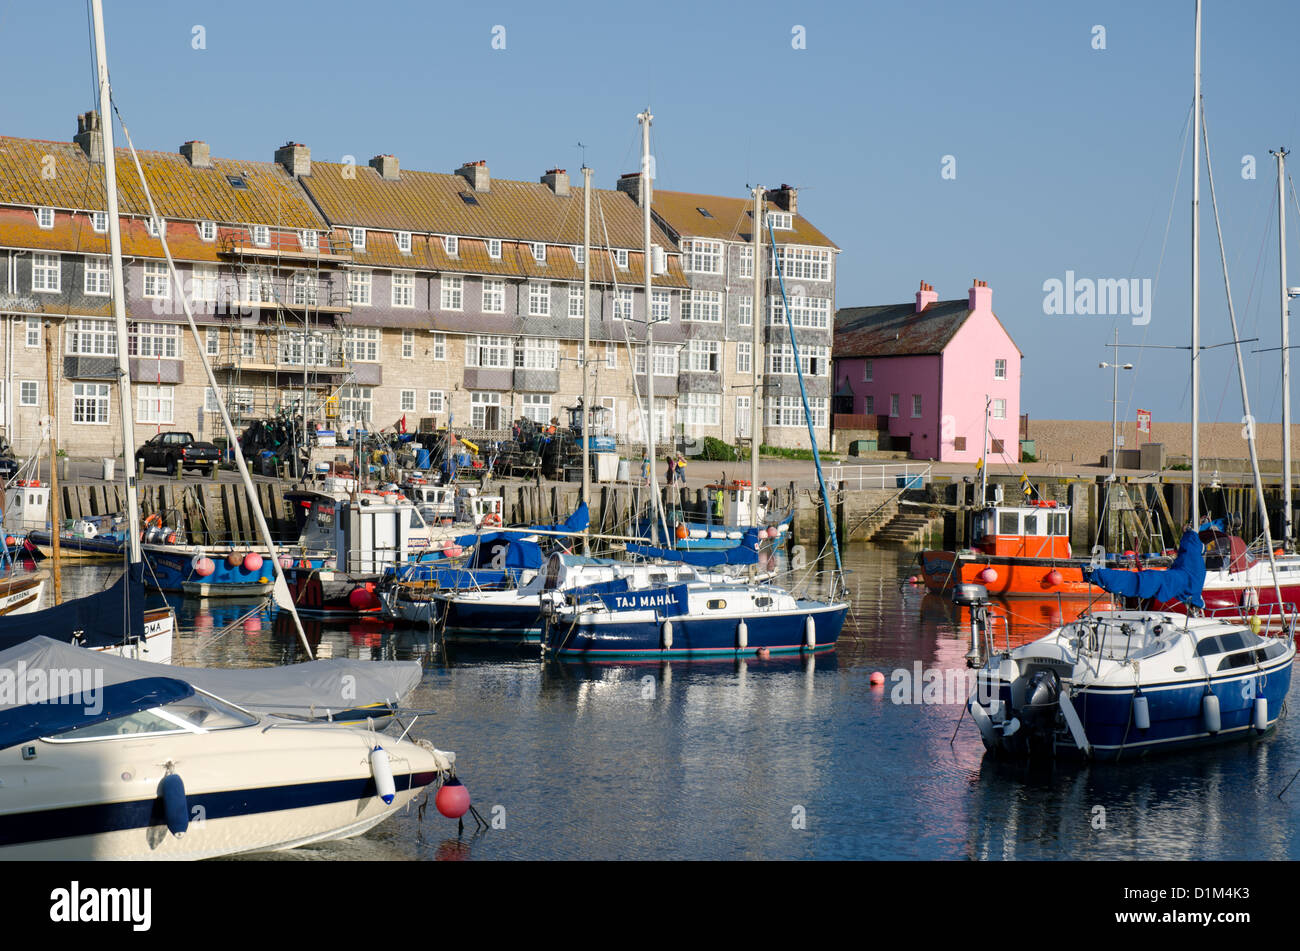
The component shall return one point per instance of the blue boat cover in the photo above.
(98, 620)
(577, 522)
(1181, 581)
(95, 703)
(745, 552)
(589, 591)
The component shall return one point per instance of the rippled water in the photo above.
(785, 758)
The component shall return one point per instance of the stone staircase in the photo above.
(903, 528)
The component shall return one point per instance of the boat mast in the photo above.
(586, 346)
(1196, 280)
(984, 454)
(1281, 154)
(756, 357)
(119, 291)
(645, 118)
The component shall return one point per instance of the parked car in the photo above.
(167, 449)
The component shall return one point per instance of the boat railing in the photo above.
(1274, 619)
(881, 476)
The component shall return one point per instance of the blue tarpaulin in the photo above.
(110, 617)
(1181, 581)
(90, 705)
(745, 552)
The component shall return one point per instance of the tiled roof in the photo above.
(74, 233)
(38, 173)
(897, 330)
(729, 219)
(429, 253)
(510, 210)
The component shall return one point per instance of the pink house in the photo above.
(925, 370)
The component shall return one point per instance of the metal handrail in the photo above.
(882, 476)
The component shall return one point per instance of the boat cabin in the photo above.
(479, 510)
(736, 501)
(435, 502)
(1033, 530)
(27, 506)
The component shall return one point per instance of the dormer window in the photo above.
(539, 253)
(359, 239)
(452, 244)
(99, 221)
(208, 230)
(261, 235)
(580, 254)
(45, 217)
(620, 257)
(494, 248)
(780, 220)
(156, 226)
(404, 242)
(309, 240)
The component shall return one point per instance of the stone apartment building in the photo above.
(374, 292)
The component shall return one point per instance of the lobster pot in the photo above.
(667, 635)
(809, 632)
(1210, 713)
(1261, 714)
(742, 635)
(1141, 713)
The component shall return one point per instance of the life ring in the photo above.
(491, 518)
(154, 520)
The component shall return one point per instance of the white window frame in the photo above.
(436, 401)
(611, 355)
(489, 351)
(780, 220)
(32, 333)
(575, 300)
(91, 403)
(537, 353)
(704, 356)
(440, 346)
(157, 280)
(999, 369)
(579, 254)
(156, 227)
(746, 266)
(47, 273)
(700, 256)
(99, 222)
(212, 341)
(207, 230)
(451, 292)
(998, 409)
(868, 371)
(745, 311)
(480, 401)
(620, 257)
(28, 397)
(406, 401)
(494, 248)
(624, 306)
(362, 345)
(45, 218)
(97, 276)
(451, 244)
(536, 406)
(360, 284)
(917, 406)
(702, 307)
(309, 240)
(494, 296)
(539, 298)
(154, 340)
(745, 357)
(204, 280)
(661, 305)
(358, 238)
(90, 337)
(539, 252)
(155, 403)
(402, 289)
(404, 244)
(408, 344)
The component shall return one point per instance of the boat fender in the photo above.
(1261, 714)
(667, 632)
(383, 773)
(1210, 713)
(1141, 713)
(985, 723)
(742, 635)
(809, 633)
(176, 810)
(1254, 622)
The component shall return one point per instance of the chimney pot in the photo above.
(785, 198)
(557, 180)
(925, 297)
(90, 136)
(981, 296)
(386, 166)
(197, 153)
(476, 173)
(295, 157)
(630, 184)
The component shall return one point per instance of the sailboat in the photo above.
(1136, 681)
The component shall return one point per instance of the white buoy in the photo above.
(1141, 713)
(742, 635)
(383, 773)
(668, 635)
(809, 633)
(1210, 713)
(1261, 714)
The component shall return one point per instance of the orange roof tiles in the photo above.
(730, 219)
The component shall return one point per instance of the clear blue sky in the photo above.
(1066, 155)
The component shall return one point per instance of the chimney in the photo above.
(386, 166)
(89, 136)
(197, 153)
(557, 180)
(631, 183)
(785, 198)
(476, 173)
(295, 157)
(981, 296)
(925, 296)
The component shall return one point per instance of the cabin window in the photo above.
(1008, 523)
(717, 604)
(762, 602)
(1031, 524)
(1059, 522)
(658, 577)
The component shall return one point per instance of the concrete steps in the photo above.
(903, 528)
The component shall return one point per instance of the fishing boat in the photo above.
(727, 517)
(109, 764)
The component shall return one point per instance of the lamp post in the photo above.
(1114, 403)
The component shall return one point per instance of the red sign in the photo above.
(1144, 421)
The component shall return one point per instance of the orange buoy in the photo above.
(1053, 577)
(682, 532)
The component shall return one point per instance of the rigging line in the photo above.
(1241, 369)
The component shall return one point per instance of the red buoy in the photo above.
(988, 575)
(452, 799)
(362, 600)
(252, 561)
(682, 532)
(1053, 577)
(10, 541)
(203, 566)
(877, 679)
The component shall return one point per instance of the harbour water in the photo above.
(776, 759)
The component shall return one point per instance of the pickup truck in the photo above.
(167, 449)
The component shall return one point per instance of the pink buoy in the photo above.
(234, 559)
(452, 799)
(286, 561)
(252, 561)
(204, 566)
(1053, 577)
(988, 576)
(915, 579)
(252, 625)
(455, 551)
(361, 599)
(877, 679)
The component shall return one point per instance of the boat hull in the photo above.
(174, 571)
(1016, 577)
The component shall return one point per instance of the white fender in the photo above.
(809, 632)
(1141, 713)
(988, 733)
(1210, 713)
(668, 635)
(1261, 714)
(742, 635)
(383, 773)
(1074, 723)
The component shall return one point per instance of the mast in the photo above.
(1196, 281)
(586, 345)
(1286, 352)
(645, 118)
(54, 465)
(984, 454)
(119, 291)
(756, 357)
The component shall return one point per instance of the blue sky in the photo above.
(1065, 155)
